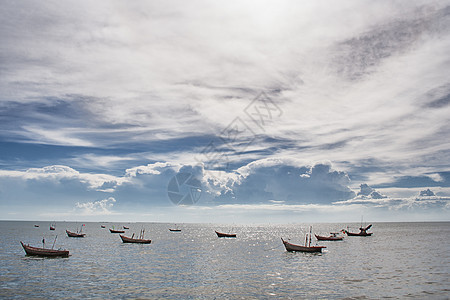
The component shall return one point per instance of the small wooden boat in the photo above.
(231, 235)
(102, 226)
(133, 240)
(36, 225)
(116, 231)
(362, 231)
(292, 247)
(307, 248)
(29, 250)
(125, 227)
(52, 227)
(75, 234)
(176, 229)
(333, 237)
(139, 240)
(357, 234)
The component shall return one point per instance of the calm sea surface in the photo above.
(400, 260)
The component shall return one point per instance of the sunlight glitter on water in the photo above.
(195, 263)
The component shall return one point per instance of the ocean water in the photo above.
(400, 260)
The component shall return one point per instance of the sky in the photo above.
(225, 111)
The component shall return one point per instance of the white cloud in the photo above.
(101, 207)
(59, 173)
(152, 169)
(423, 201)
(281, 180)
(367, 87)
(436, 177)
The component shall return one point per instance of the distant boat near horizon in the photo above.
(75, 234)
(176, 229)
(221, 234)
(102, 226)
(362, 231)
(332, 237)
(125, 227)
(36, 225)
(116, 231)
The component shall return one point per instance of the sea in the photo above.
(400, 261)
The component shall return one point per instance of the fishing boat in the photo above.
(176, 229)
(292, 247)
(102, 226)
(332, 237)
(139, 240)
(36, 225)
(29, 250)
(306, 248)
(75, 234)
(362, 231)
(133, 240)
(116, 231)
(125, 227)
(231, 235)
(52, 227)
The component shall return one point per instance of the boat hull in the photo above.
(298, 248)
(134, 241)
(52, 228)
(116, 231)
(357, 234)
(34, 251)
(329, 238)
(74, 234)
(230, 235)
(175, 230)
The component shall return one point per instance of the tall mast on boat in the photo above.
(310, 230)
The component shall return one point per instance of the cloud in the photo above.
(58, 174)
(101, 207)
(367, 192)
(152, 169)
(145, 87)
(286, 180)
(425, 201)
(426, 192)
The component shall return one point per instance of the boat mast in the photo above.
(54, 242)
(310, 230)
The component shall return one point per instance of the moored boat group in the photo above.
(140, 239)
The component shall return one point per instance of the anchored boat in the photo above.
(221, 234)
(139, 240)
(332, 237)
(362, 231)
(35, 251)
(75, 234)
(307, 248)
